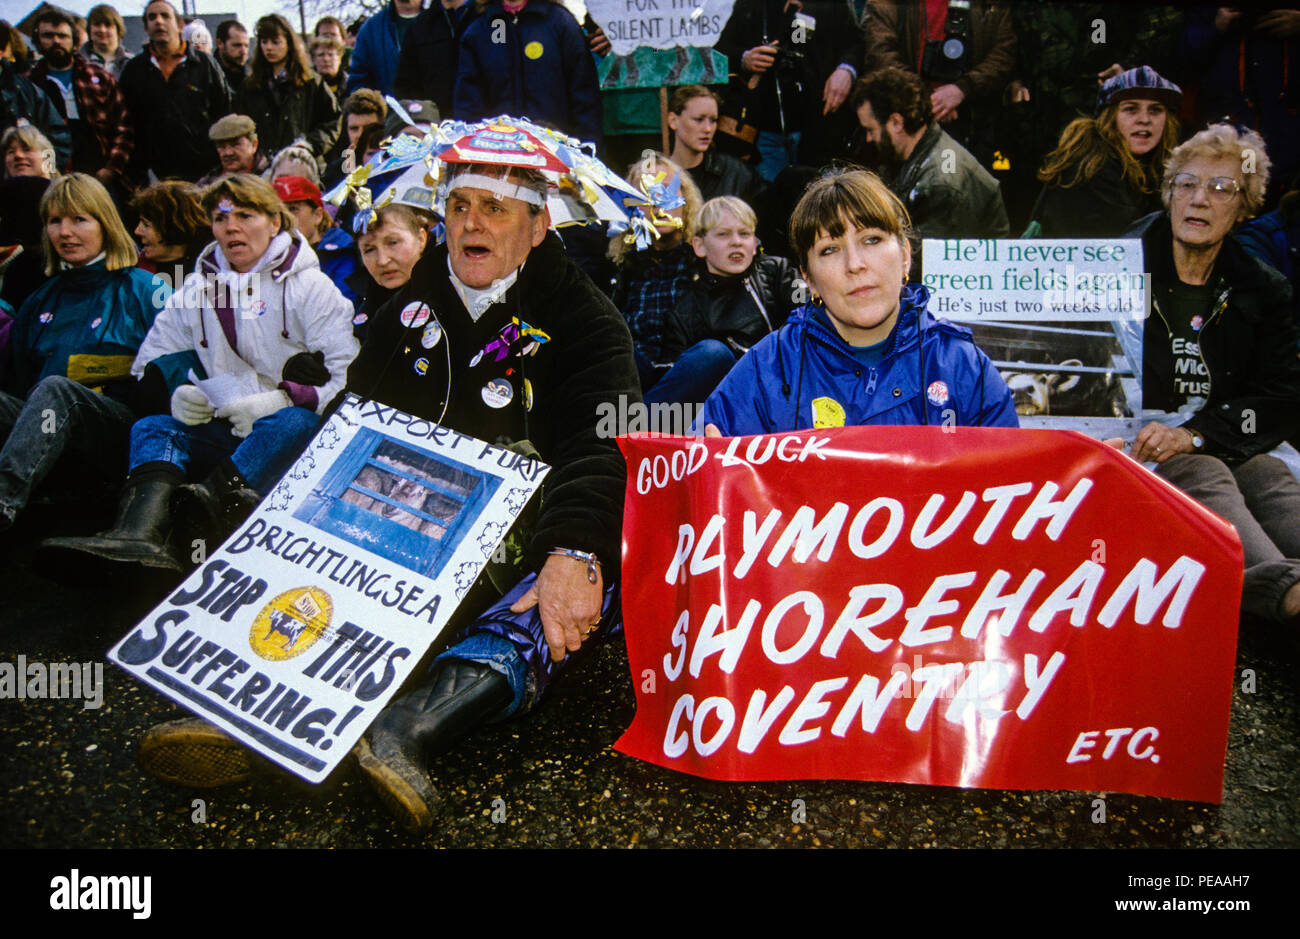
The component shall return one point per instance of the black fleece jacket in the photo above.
(586, 362)
(1248, 343)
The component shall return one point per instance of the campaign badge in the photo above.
(497, 393)
(359, 319)
(415, 313)
(291, 623)
(46, 317)
(422, 366)
(827, 412)
(1197, 323)
(937, 393)
(432, 333)
(94, 324)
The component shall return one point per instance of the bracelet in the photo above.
(593, 562)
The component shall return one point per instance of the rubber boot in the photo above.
(459, 696)
(209, 511)
(138, 537)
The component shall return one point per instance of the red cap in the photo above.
(297, 189)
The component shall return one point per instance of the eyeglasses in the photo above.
(1218, 189)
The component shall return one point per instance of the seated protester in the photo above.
(235, 137)
(173, 229)
(27, 152)
(655, 259)
(334, 249)
(242, 448)
(1275, 239)
(1219, 356)
(500, 267)
(72, 345)
(946, 192)
(864, 351)
(693, 119)
(390, 246)
(736, 298)
(1105, 172)
(294, 160)
(284, 97)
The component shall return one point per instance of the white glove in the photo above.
(245, 412)
(190, 406)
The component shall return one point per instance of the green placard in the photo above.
(658, 68)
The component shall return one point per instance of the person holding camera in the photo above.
(964, 49)
(798, 61)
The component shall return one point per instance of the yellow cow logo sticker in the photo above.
(291, 623)
(827, 412)
(533, 50)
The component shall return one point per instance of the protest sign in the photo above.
(660, 24)
(1061, 319)
(979, 607)
(299, 628)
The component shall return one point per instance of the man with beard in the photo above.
(232, 52)
(946, 191)
(174, 93)
(87, 97)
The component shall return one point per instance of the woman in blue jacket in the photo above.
(72, 346)
(866, 350)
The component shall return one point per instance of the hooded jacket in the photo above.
(257, 321)
(85, 323)
(738, 310)
(804, 375)
(543, 70)
(429, 366)
(1248, 344)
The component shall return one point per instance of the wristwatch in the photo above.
(1197, 440)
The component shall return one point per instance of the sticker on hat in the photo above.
(497, 393)
(421, 366)
(937, 393)
(432, 333)
(415, 313)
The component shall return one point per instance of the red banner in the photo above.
(1012, 609)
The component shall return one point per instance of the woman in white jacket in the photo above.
(274, 332)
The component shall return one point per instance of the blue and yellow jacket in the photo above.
(804, 376)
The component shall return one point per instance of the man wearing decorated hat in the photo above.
(498, 335)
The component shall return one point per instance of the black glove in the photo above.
(306, 368)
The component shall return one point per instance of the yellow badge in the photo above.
(1000, 162)
(827, 412)
(291, 623)
(533, 50)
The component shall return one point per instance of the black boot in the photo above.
(458, 697)
(138, 537)
(209, 511)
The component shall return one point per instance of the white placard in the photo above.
(660, 24)
(295, 632)
(1035, 278)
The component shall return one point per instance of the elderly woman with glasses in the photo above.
(1219, 360)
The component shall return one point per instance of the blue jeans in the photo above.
(514, 644)
(775, 152)
(694, 375)
(261, 458)
(60, 417)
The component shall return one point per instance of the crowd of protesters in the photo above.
(976, 119)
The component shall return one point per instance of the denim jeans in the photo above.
(1261, 499)
(514, 644)
(261, 458)
(694, 375)
(60, 417)
(775, 152)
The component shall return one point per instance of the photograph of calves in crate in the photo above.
(403, 503)
(1067, 370)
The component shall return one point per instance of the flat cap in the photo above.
(232, 126)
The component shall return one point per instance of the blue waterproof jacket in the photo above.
(86, 324)
(337, 254)
(374, 57)
(543, 71)
(804, 375)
